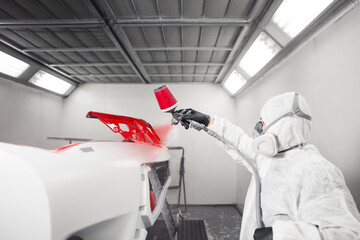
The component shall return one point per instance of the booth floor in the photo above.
(218, 222)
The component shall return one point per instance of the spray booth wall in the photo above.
(210, 174)
(29, 116)
(326, 72)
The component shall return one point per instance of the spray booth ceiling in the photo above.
(135, 41)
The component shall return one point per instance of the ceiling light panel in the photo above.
(234, 82)
(50, 82)
(293, 15)
(259, 54)
(12, 66)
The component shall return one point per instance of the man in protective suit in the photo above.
(303, 196)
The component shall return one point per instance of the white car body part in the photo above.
(93, 190)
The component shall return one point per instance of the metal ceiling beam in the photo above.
(182, 64)
(60, 23)
(183, 75)
(89, 64)
(134, 75)
(262, 12)
(183, 49)
(81, 49)
(103, 75)
(236, 22)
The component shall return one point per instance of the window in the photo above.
(12, 66)
(50, 82)
(234, 82)
(293, 15)
(259, 54)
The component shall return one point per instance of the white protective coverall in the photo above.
(303, 196)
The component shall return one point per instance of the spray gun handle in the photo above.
(197, 126)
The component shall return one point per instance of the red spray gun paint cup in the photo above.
(166, 100)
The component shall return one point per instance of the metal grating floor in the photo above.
(189, 230)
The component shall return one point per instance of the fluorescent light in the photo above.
(293, 15)
(234, 82)
(259, 54)
(12, 66)
(50, 82)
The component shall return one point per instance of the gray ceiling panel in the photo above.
(172, 36)
(213, 70)
(136, 36)
(54, 39)
(122, 69)
(240, 8)
(110, 57)
(176, 69)
(190, 56)
(12, 10)
(154, 36)
(228, 36)
(189, 69)
(44, 9)
(146, 57)
(29, 37)
(191, 36)
(210, 36)
(90, 37)
(198, 79)
(187, 79)
(122, 9)
(216, 8)
(151, 69)
(200, 69)
(168, 8)
(203, 56)
(209, 80)
(134, 41)
(145, 8)
(50, 58)
(157, 80)
(9, 35)
(80, 56)
(219, 56)
(193, 9)
(159, 56)
(157, 70)
(174, 56)
(71, 70)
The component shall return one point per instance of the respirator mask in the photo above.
(266, 143)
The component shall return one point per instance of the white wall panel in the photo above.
(5, 110)
(29, 116)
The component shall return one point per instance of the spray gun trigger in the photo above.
(178, 117)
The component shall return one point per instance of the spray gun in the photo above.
(168, 104)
